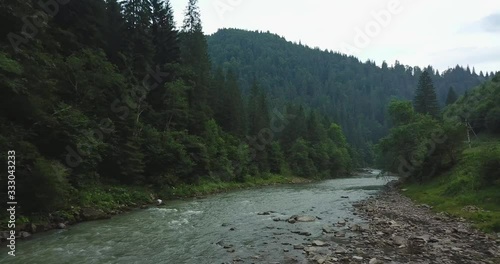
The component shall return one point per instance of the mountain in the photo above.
(352, 93)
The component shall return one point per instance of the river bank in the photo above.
(104, 202)
(397, 230)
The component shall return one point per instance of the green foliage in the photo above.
(351, 93)
(301, 162)
(8, 65)
(49, 188)
(401, 112)
(109, 94)
(276, 158)
(493, 120)
(452, 97)
(425, 97)
(419, 147)
(490, 166)
(471, 182)
(479, 107)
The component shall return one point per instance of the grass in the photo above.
(210, 187)
(464, 186)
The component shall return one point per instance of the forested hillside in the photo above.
(350, 92)
(110, 93)
(449, 159)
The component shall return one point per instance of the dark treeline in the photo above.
(354, 94)
(111, 92)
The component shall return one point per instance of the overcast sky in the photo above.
(440, 33)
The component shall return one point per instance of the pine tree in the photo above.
(194, 55)
(425, 101)
(167, 53)
(452, 96)
(232, 106)
(165, 36)
(83, 22)
(114, 29)
(258, 112)
(137, 14)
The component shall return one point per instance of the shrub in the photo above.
(490, 166)
(493, 120)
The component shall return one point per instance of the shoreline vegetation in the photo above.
(104, 201)
(463, 190)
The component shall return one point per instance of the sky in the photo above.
(440, 33)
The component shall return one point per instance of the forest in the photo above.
(352, 93)
(102, 96)
(108, 102)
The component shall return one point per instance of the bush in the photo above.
(47, 189)
(490, 166)
(493, 120)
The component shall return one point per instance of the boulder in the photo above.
(90, 214)
(398, 241)
(24, 234)
(61, 226)
(266, 213)
(305, 218)
(319, 243)
(375, 261)
(299, 247)
(328, 229)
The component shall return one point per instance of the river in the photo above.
(196, 230)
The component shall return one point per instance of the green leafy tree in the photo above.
(300, 160)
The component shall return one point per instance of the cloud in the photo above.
(491, 23)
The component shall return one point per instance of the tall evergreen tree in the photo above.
(452, 96)
(425, 101)
(258, 112)
(114, 30)
(232, 106)
(137, 14)
(194, 54)
(165, 36)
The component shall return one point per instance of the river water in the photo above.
(196, 230)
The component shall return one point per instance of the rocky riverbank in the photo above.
(396, 230)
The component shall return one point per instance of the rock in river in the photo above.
(301, 218)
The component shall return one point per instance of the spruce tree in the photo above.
(232, 107)
(452, 96)
(138, 39)
(194, 55)
(114, 29)
(425, 101)
(165, 36)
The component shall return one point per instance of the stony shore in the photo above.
(396, 230)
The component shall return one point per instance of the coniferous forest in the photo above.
(108, 102)
(112, 93)
(352, 93)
